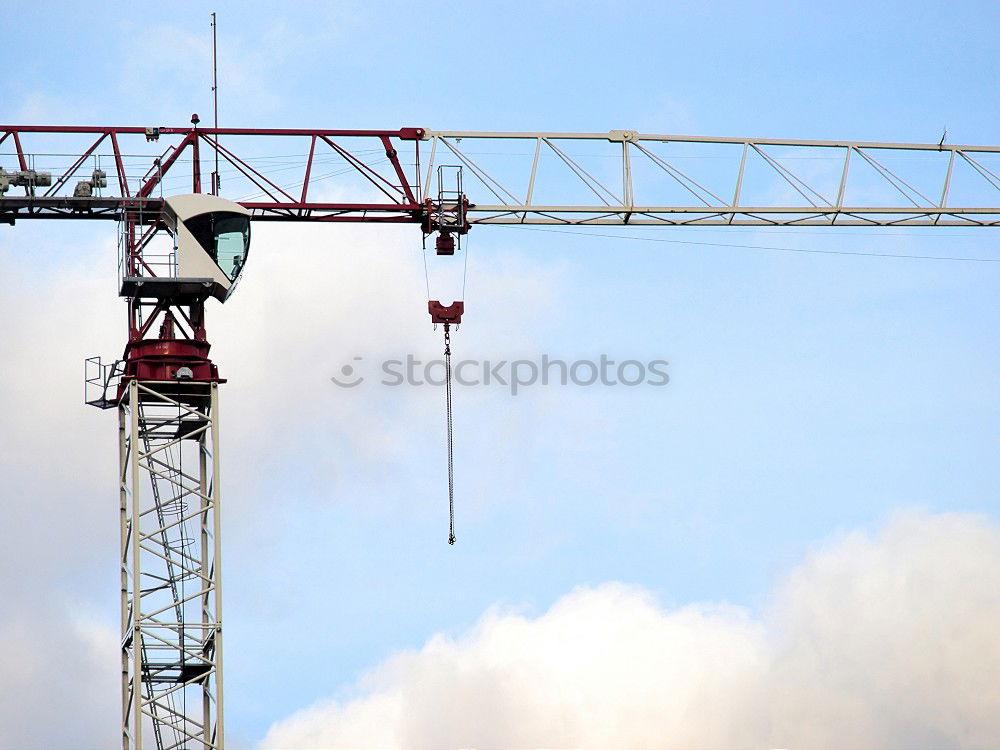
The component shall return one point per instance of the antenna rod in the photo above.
(215, 104)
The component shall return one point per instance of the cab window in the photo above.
(225, 236)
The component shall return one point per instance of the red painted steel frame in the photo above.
(140, 204)
(181, 339)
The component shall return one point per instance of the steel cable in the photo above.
(451, 464)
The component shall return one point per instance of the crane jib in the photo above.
(620, 177)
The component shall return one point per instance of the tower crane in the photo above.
(165, 386)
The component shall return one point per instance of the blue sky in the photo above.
(810, 395)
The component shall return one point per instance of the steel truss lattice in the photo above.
(620, 177)
(628, 178)
(171, 656)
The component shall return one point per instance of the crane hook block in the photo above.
(446, 313)
(445, 244)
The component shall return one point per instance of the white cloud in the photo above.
(59, 669)
(57, 456)
(885, 640)
(60, 679)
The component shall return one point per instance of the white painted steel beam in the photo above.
(637, 178)
(170, 573)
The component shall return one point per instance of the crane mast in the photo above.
(165, 387)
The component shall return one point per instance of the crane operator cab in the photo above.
(211, 239)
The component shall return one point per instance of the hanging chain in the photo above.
(451, 465)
